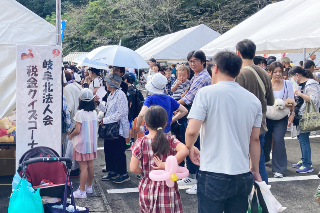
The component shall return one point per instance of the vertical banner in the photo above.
(38, 93)
(63, 26)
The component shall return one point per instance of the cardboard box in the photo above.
(7, 162)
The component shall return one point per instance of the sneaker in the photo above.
(297, 165)
(122, 178)
(110, 176)
(80, 194)
(104, 170)
(192, 190)
(128, 146)
(89, 189)
(139, 177)
(278, 175)
(187, 181)
(304, 170)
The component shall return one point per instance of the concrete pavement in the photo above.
(296, 195)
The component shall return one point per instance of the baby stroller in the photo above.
(43, 165)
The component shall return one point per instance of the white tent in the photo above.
(18, 26)
(72, 56)
(283, 27)
(295, 58)
(176, 46)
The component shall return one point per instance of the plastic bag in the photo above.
(22, 200)
(270, 201)
(16, 180)
(253, 200)
(69, 154)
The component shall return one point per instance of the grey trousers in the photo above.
(279, 155)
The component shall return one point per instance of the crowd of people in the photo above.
(187, 105)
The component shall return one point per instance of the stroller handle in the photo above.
(46, 159)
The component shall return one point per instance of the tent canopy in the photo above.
(73, 55)
(176, 46)
(284, 27)
(18, 26)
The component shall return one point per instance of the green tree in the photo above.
(43, 8)
(136, 22)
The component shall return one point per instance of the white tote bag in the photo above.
(272, 204)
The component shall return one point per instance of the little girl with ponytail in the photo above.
(152, 151)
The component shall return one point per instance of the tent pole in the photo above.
(58, 21)
(304, 55)
(58, 43)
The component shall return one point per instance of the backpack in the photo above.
(139, 100)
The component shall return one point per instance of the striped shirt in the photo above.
(180, 90)
(197, 82)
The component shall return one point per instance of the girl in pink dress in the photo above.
(84, 138)
(152, 151)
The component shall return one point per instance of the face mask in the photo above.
(292, 80)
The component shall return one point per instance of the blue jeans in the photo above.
(193, 169)
(218, 193)
(305, 149)
(262, 163)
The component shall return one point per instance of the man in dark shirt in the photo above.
(286, 64)
(248, 79)
(130, 95)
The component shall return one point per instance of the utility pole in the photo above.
(58, 21)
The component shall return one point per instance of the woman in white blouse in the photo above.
(116, 111)
(282, 89)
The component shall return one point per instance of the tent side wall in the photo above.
(18, 26)
(7, 79)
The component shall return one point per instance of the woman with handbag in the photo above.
(114, 129)
(308, 93)
(282, 89)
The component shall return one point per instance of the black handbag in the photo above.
(109, 131)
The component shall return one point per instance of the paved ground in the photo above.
(296, 195)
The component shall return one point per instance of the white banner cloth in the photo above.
(38, 93)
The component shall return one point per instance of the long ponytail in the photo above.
(156, 119)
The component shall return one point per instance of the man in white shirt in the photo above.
(75, 75)
(230, 118)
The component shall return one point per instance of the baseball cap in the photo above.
(86, 95)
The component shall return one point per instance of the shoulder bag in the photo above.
(310, 120)
(109, 131)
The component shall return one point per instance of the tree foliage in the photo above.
(93, 23)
